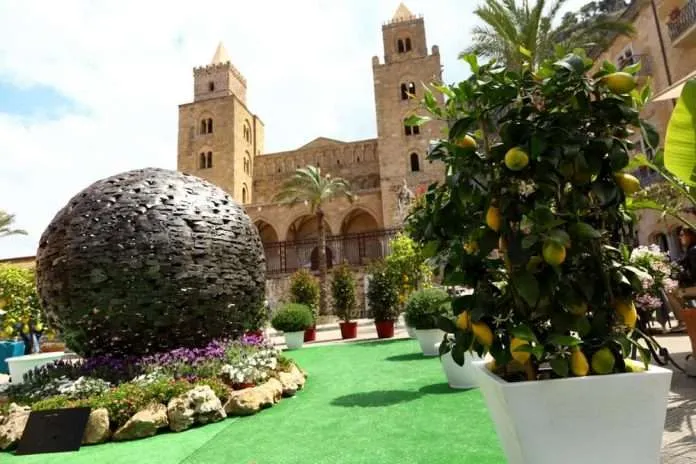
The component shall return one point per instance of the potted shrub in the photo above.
(344, 300)
(423, 309)
(383, 297)
(304, 289)
(293, 319)
(533, 217)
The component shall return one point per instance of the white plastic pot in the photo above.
(615, 418)
(460, 377)
(429, 340)
(294, 340)
(20, 365)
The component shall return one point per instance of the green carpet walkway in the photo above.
(363, 403)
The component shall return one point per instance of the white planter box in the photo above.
(615, 419)
(429, 341)
(411, 332)
(461, 377)
(294, 340)
(19, 365)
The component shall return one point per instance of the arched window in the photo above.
(415, 162)
(210, 126)
(411, 130)
(204, 127)
(408, 90)
(247, 131)
(247, 163)
(201, 161)
(408, 44)
(244, 194)
(400, 46)
(209, 160)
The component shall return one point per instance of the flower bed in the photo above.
(135, 397)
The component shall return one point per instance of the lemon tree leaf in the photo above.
(560, 366)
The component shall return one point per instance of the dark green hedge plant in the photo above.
(424, 308)
(343, 292)
(532, 215)
(293, 317)
(382, 293)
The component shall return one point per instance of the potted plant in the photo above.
(532, 216)
(460, 377)
(304, 289)
(383, 297)
(293, 319)
(423, 310)
(344, 300)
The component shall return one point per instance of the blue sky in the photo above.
(89, 89)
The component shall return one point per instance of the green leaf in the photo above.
(680, 142)
(523, 332)
(415, 120)
(560, 367)
(650, 135)
(473, 62)
(584, 230)
(529, 241)
(527, 286)
(633, 69)
(525, 52)
(430, 249)
(460, 128)
(572, 63)
(563, 340)
(640, 273)
(455, 278)
(443, 89)
(446, 324)
(560, 236)
(642, 351)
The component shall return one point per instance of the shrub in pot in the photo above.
(533, 217)
(293, 319)
(20, 311)
(344, 300)
(383, 298)
(459, 376)
(304, 289)
(423, 310)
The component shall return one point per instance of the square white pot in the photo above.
(598, 419)
(19, 365)
(294, 340)
(461, 377)
(411, 332)
(429, 340)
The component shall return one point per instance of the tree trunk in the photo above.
(323, 290)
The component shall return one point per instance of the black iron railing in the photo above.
(683, 21)
(355, 249)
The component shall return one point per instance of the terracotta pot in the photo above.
(254, 333)
(385, 329)
(689, 316)
(310, 334)
(349, 329)
(52, 347)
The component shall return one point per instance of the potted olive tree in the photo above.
(423, 310)
(344, 300)
(532, 216)
(304, 289)
(383, 298)
(293, 319)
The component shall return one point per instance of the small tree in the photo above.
(407, 267)
(343, 292)
(20, 311)
(382, 293)
(304, 289)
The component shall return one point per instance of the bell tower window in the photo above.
(408, 90)
(408, 44)
(415, 162)
(400, 47)
(411, 130)
(211, 86)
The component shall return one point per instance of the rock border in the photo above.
(199, 406)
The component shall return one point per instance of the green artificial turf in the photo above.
(363, 403)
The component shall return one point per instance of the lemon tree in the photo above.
(532, 215)
(20, 311)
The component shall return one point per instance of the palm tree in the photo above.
(6, 221)
(512, 24)
(308, 186)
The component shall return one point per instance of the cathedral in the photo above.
(222, 140)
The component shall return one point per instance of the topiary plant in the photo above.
(304, 289)
(424, 308)
(292, 317)
(532, 216)
(382, 293)
(343, 292)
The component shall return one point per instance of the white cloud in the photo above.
(128, 64)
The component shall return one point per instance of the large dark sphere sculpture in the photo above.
(150, 260)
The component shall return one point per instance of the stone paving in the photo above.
(679, 439)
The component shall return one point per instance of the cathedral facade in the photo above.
(221, 140)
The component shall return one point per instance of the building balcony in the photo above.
(354, 249)
(682, 25)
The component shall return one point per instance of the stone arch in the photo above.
(301, 250)
(358, 246)
(266, 230)
(359, 220)
(271, 246)
(304, 227)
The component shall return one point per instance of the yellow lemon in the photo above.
(464, 321)
(516, 159)
(554, 254)
(467, 142)
(520, 356)
(578, 363)
(493, 218)
(482, 333)
(620, 82)
(628, 183)
(39, 327)
(25, 329)
(578, 309)
(627, 312)
(634, 366)
(603, 361)
(9, 330)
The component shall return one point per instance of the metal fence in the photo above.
(354, 249)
